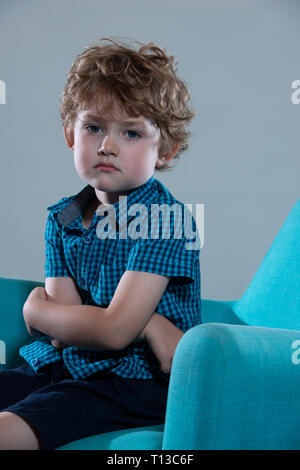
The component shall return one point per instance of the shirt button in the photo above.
(34, 362)
(87, 240)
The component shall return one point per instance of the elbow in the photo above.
(115, 337)
(121, 343)
(109, 344)
(116, 341)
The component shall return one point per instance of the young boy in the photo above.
(116, 301)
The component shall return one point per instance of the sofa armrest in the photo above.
(13, 332)
(234, 387)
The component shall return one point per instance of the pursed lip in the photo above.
(105, 165)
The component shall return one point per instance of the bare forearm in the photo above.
(162, 336)
(81, 325)
(94, 327)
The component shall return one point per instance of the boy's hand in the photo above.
(162, 337)
(58, 344)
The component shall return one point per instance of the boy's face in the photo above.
(129, 144)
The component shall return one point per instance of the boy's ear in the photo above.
(167, 157)
(69, 136)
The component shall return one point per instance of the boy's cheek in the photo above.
(79, 165)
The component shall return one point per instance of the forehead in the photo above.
(106, 107)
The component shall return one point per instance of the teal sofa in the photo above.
(235, 379)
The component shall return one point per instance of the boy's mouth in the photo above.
(105, 167)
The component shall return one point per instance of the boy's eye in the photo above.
(132, 134)
(93, 129)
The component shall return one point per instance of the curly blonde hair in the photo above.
(138, 82)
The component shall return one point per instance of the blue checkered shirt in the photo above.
(97, 262)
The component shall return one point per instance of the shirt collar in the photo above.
(144, 194)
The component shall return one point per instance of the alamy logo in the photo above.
(296, 95)
(2, 92)
(157, 221)
(2, 352)
(296, 353)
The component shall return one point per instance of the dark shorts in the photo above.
(61, 409)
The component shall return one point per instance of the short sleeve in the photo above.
(176, 257)
(55, 263)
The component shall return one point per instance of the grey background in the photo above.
(238, 58)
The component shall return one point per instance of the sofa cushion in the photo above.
(144, 438)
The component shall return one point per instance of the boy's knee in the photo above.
(16, 433)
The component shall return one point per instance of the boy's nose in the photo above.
(108, 146)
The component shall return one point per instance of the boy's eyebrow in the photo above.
(127, 122)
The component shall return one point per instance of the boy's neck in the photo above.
(104, 197)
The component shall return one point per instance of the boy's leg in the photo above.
(72, 409)
(15, 384)
(16, 434)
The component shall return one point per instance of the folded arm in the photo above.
(62, 290)
(161, 334)
(114, 327)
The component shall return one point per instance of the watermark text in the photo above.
(2, 352)
(155, 221)
(2, 92)
(296, 353)
(296, 94)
